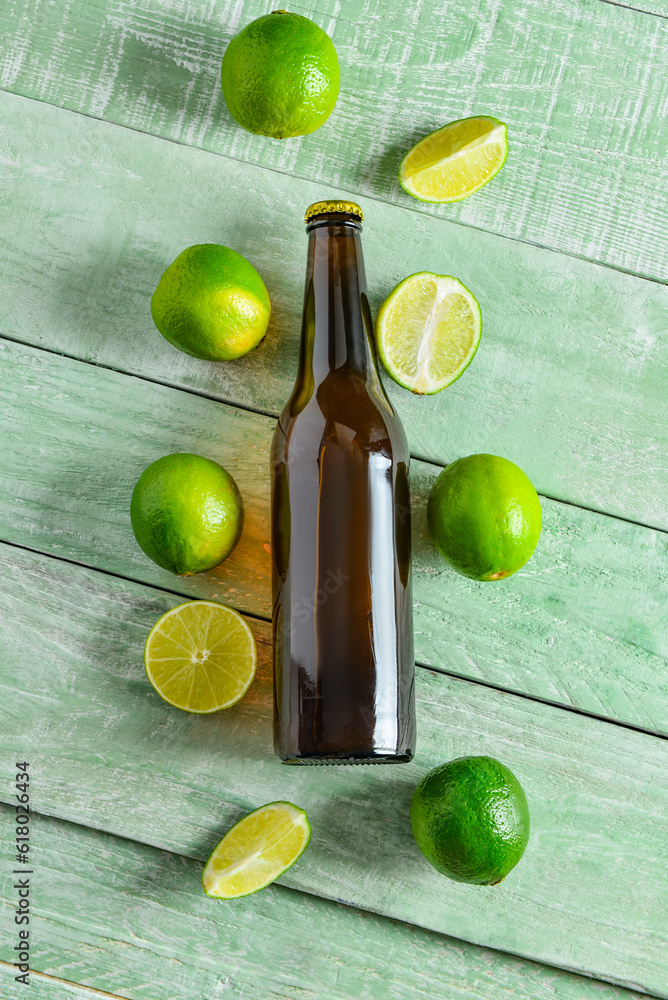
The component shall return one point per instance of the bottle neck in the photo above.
(337, 327)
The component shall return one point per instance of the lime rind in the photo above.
(497, 135)
(186, 513)
(470, 818)
(422, 383)
(211, 303)
(280, 75)
(212, 878)
(484, 516)
(236, 622)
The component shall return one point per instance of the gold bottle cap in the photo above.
(325, 207)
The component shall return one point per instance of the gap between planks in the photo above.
(76, 989)
(592, 593)
(490, 52)
(530, 977)
(435, 669)
(309, 11)
(166, 384)
(638, 10)
(523, 241)
(558, 368)
(592, 869)
(572, 348)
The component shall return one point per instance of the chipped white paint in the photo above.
(549, 388)
(584, 89)
(584, 623)
(147, 936)
(109, 753)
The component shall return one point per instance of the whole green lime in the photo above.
(485, 516)
(187, 513)
(211, 303)
(470, 819)
(280, 75)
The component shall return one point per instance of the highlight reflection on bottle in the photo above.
(341, 542)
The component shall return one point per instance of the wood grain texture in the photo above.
(76, 502)
(105, 751)
(569, 382)
(133, 920)
(571, 385)
(582, 85)
(46, 987)
(585, 623)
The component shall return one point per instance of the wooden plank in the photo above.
(133, 920)
(49, 987)
(582, 85)
(585, 623)
(85, 465)
(589, 895)
(569, 381)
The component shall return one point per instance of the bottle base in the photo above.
(343, 758)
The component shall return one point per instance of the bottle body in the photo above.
(342, 611)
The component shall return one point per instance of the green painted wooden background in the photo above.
(116, 152)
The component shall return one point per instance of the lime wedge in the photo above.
(427, 330)
(456, 160)
(261, 846)
(201, 656)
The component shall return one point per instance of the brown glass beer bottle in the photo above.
(341, 531)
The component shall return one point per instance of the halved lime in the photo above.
(201, 656)
(427, 330)
(456, 160)
(261, 846)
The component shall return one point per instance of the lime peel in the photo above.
(470, 819)
(484, 516)
(280, 75)
(211, 303)
(256, 851)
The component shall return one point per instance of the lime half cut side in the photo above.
(428, 330)
(456, 160)
(256, 851)
(201, 656)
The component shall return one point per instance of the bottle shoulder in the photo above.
(343, 394)
(345, 411)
